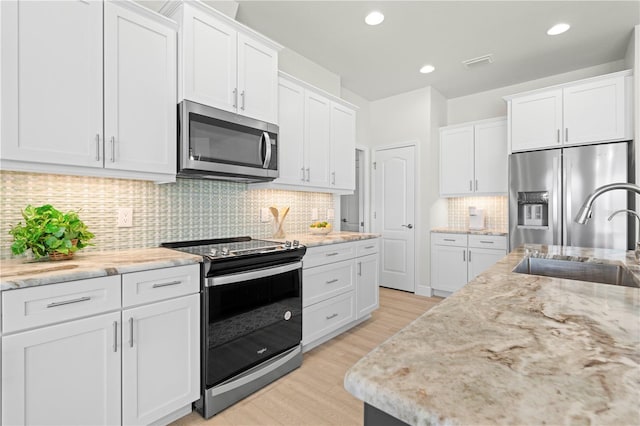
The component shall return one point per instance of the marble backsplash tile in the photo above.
(496, 211)
(186, 210)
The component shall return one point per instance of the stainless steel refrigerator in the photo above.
(547, 188)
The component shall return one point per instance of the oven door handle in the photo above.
(246, 276)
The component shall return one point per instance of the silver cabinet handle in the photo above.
(166, 284)
(242, 96)
(469, 255)
(410, 226)
(335, 280)
(115, 336)
(68, 302)
(308, 174)
(331, 254)
(359, 269)
(369, 247)
(450, 239)
(476, 184)
(464, 255)
(97, 146)
(558, 136)
(333, 178)
(113, 149)
(566, 134)
(332, 316)
(131, 332)
(486, 242)
(470, 185)
(235, 97)
(302, 170)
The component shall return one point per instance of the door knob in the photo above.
(410, 226)
(344, 220)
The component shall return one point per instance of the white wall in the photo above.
(299, 66)
(490, 103)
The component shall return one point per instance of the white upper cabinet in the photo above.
(54, 116)
(140, 92)
(317, 152)
(225, 64)
(594, 110)
(291, 136)
(343, 147)
(473, 158)
(52, 82)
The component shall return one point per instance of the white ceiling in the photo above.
(377, 62)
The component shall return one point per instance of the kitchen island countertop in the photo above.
(334, 237)
(18, 273)
(511, 348)
(447, 230)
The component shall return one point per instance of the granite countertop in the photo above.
(515, 349)
(447, 230)
(18, 273)
(312, 240)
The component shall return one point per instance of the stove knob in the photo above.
(213, 252)
(296, 243)
(287, 244)
(225, 251)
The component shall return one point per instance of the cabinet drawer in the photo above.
(324, 317)
(323, 282)
(331, 253)
(39, 306)
(368, 247)
(159, 284)
(488, 241)
(449, 239)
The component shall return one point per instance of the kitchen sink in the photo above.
(582, 271)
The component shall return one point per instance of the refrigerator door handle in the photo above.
(557, 201)
(567, 216)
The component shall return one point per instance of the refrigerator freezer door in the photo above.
(585, 169)
(533, 173)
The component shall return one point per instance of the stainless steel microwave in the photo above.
(217, 144)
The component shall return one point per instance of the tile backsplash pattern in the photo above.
(186, 210)
(496, 211)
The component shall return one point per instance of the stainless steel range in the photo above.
(251, 316)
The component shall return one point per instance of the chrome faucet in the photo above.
(584, 214)
(637, 252)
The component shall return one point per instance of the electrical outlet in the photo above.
(331, 214)
(314, 214)
(125, 217)
(265, 215)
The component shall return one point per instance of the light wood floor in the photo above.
(314, 393)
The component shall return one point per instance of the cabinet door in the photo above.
(66, 374)
(448, 268)
(52, 82)
(140, 92)
(536, 121)
(343, 147)
(367, 281)
(291, 135)
(491, 158)
(482, 259)
(257, 80)
(209, 52)
(160, 359)
(594, 112)
(317, 139)
(456, 161)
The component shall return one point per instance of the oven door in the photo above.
(226, 144)
(251, 316)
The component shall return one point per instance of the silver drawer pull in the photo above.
(131, 332)
(332, 316)
(486, 242)
(335, 280)
(68, 302)
(450, 239)
(332, 254)
(115, 336)
(369, 247)
(166, 284)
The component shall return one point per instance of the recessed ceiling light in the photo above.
(374, 18)
(558, 29)
(427, 69)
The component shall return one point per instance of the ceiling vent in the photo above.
(480, 60)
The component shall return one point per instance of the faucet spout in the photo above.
(584, 214)
(631, 212)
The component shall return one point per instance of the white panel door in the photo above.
(482, 259)
(343, 147)
(66, 374)
(140, 92)
(394, 216)
(456, 161)
(317, 140)
(448, 268)
(257, 80)
(536, 121)
(594, 112)
(291, 135)
(367, 281)
(209, 50)
(52, 82)
(160, 359)
(491, 157)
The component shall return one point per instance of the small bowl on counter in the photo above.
(320, 230)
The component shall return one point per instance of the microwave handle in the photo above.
(267, 158)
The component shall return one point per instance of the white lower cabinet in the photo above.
(340, 288)
(73, 356)
(458, 258)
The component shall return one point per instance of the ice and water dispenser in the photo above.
(533, 209)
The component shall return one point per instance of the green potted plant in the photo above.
(49, 232)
